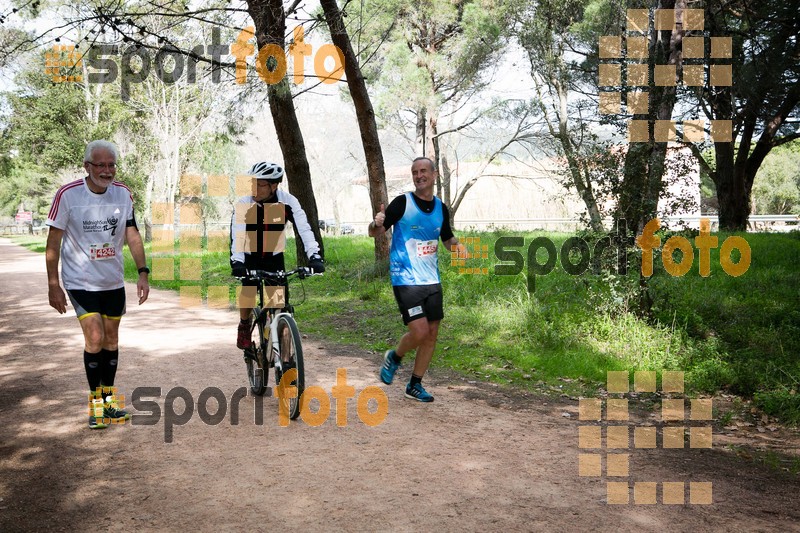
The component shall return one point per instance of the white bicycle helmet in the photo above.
(267, 171)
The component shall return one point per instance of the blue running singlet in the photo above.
(413, 259)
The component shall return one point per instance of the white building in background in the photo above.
(515, 196)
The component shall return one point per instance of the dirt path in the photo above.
(465, 462)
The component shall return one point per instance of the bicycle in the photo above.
(281, 349)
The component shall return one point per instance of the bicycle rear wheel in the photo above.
(291, 355)
(256, 361)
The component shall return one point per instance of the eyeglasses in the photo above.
(106, 166)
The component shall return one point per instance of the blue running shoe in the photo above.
(389, 367)
(418, 393)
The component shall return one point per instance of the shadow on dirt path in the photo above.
(465, 462)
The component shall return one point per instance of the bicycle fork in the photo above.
(274, 340)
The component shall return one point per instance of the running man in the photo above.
(419, 219)
(90, 221)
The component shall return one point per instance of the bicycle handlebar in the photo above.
(301, 272)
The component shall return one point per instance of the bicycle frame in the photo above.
(269, 314)
(278, 343)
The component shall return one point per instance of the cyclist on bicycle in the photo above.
(257, 230)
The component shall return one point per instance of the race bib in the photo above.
(414, 311)
(101, 252)
(426, 248)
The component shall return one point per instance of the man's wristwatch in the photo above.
(144, 270)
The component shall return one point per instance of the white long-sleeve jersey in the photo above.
(257, 229)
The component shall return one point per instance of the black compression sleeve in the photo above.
(131, 222)
(447, 231)
(395, 211)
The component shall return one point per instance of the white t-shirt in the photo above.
(94, 234)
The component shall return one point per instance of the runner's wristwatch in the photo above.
(144, 270)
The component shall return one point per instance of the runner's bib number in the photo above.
(426, 248)
(101, 252)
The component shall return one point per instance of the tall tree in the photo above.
(365, 115)
(645, 161)
(269, 18)
(545, 32)
(761, 102)
(430, 59)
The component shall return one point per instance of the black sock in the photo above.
(414, 380)
(396, 358)
(92, 362)
(109, 368)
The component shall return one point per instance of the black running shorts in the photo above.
(108, 304)
(419, 301)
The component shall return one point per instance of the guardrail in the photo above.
(777, 223)
(21, 229)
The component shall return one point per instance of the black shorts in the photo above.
(419, 301)
(108, 304)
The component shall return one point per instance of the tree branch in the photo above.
(700, 159)
(786, 139)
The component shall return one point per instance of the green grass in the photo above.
(776, 461)
(749, 326)
(31, 242)
(736, 334)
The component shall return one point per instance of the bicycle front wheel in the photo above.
(291, 356)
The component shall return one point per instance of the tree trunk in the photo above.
(734, 177)
(366, 119)
(432, 147)
(734, 203)
(420, 130)
(738, 161)
(644, 163)
(583, 186)
(446, 176)
(587, 195)
(269, 19)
